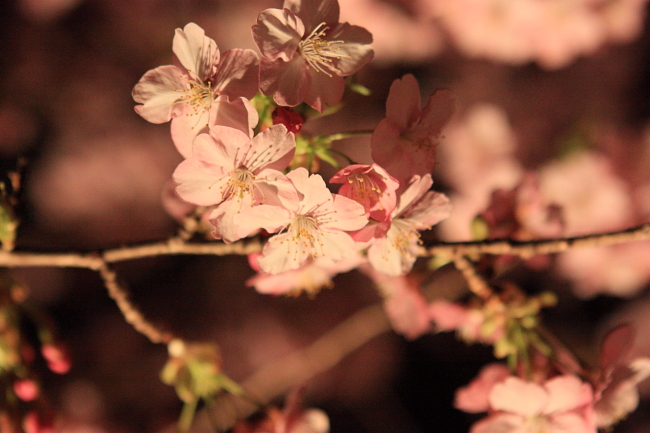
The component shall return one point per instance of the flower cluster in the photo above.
(553, 400)
(244, 154)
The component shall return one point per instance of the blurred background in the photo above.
(558, 88)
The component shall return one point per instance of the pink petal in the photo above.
(473, 398)
(571, 423)
(312, 189)
(348, 214)
(237, 75)
(323, 90)
(195, 185)
(238, 113)
(273, 148)
(566, 393)
(447, 316)
(517, 396)
(386, 258)
(277, 34)
(417, 187)
(432, 208)
(275, 189)
(280, 254)
(500, 423)
(158, 90)
(403, 103)
(355, 50)
(616, 346)
(184, 129)
(224, 147)
(196, 52)
(438, 112)
(314, 12)
(288, 82)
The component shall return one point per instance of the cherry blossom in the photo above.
(314, 226)
(615, 384)
(396, 242)
(404, 142)
(311, 277)
(231, 170)
(307, 52)
(559, 405)
(473, 398)
(404, 303)
(371, 186)
(202, 88)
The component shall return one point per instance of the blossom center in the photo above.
(320, 53)
(199, 96)
(364, 190)
(239, 184)
(306, 234)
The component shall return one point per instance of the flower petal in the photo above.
(288, 82)
(566, 393)
(196, 52)
(323, 89)
(278, 33)
(195, 185)
(314, 12)
(403, 102)
(519, 397)
(237, 75)
(158, 90)
(355, 48)
(272, 148)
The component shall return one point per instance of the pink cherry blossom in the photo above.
(559, 405)
(404, 142)
(231, 170)
(307, 52)
(616, 393)
(371, 186)
(404, 303)
(396, 243)
(314, 226)
(473, 398)
(202, 88)
(311, 277)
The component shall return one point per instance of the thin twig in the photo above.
(177, 246)
(476, 283)
(527, 249)
(131, 314)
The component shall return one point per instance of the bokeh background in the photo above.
(562, 93)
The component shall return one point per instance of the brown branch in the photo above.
(131, 314)
(476, 283)
(527, 249)
(177, 246)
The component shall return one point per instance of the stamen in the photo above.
(199, 97)
(320, 53)
(365, 190)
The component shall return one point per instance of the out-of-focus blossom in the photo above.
(371, 186)
(395, 243)
(46, 10)
(473, 398)
(404, 303)
(307, 52)
(399, 35)
(314, 226)
(559, 405)
(615, 385)
(231, 170)
(202, 88)
(310, 278)
(522, 213)
(594, 199)
(404, 142)
(477, 156)
(550, 33)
